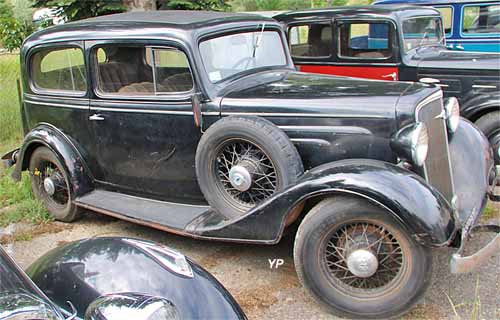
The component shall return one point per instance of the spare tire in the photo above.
(241, 161)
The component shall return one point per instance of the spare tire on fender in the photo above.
(241, 161)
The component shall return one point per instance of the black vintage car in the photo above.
(398, 42)
(197, 123)
(112, 278)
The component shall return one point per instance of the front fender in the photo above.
(80, 178)
(474, 105)
(417, 206)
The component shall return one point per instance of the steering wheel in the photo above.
(241, 61)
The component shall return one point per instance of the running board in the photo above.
(162, 215)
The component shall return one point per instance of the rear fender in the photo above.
(474, 105)
(414, 204)
(44, 134)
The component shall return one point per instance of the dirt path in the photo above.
(266, 293)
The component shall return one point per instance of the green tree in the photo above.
(217, 5)
(78, 9)
(5, 9)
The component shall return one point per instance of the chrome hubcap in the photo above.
(49, 186)
(362, 263)
(240, 178)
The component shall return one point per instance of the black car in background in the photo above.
(198, 123)
(398, 42)
(112, 278)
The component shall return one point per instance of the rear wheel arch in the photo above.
(45, 135)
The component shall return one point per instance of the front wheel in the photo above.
(356, 260)
(50, 185)
(489, 124)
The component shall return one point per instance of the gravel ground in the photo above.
(266, 293)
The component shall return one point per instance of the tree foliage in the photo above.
(270, 5)
(5, 9)
(13, 32)
(78, 9)
(217, 5)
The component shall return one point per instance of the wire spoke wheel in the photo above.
(363, 257)
(245, 173)
(51, 184)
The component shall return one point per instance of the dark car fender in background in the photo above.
(45, 134)
(474, 105)
(417, 206)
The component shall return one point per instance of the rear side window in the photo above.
(143, 71)
(481, 19)
(447, 16)
(364, 40)
(61, 69)
(312, 40)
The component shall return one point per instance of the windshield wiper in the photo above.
(257, 41)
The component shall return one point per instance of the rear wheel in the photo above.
(490, 126)
(356, 260)
(50, 184)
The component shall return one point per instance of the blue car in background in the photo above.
(469, 25)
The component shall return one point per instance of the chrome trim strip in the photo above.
(41, 96)
(58, 105)
(211, 113)
(185, 113)
(436, 95)
(312, 141)
(125, 101)
(328, 129)
(308, 115)
(484, 86)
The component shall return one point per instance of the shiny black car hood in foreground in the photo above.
(18, 293)
(82, 271)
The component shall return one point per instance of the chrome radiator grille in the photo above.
(437, 166)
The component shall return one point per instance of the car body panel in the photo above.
(82, 271)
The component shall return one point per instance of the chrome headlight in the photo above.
(452, 109)
(412, 143)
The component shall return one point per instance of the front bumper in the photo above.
(463, 264)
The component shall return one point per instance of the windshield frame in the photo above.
(256, 27)
(441, 43)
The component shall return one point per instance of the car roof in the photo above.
(153, 24)
(176, 18)
(389, 11)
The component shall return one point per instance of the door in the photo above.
(57, 91)
(357, 49)
(142, 121)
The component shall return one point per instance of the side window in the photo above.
(481, 19)
(144, 71)
(61, 69)
(365, 40)
(312, 40)
(447, 15)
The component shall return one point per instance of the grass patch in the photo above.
(10, 120)
(491, 212)
(17, 203)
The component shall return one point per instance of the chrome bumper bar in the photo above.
(461, 264)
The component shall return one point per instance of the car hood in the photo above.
(436, 57)
(288, 91)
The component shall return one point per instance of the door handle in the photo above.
(390, 75)
(96, 117)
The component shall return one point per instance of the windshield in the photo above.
(422, 31)
(230, 54)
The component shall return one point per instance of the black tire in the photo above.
(318, 265)
(43, 164)
(268, 150)
(489, 124)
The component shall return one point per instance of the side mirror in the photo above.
(196, 104)
(135, 306)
